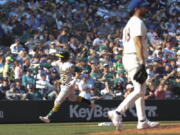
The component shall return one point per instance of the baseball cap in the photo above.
(9, 58)
(106, 65)
(120, 71)
(12, 85)
(83, 76)
(137, 3)
(129, 86)
(43, 74)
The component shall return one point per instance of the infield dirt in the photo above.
(162, 129)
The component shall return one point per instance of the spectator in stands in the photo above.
(150, 90)
(107, 93)
(3, 88)
(20, 89)
(168, 91)
(7, 69)
(44, 86)
(12, 94)
(89, 30)
(160, 93)
(32, 93)
(18, 70)
(16, 47)
(128, 90)
(84, 87)
(1, 66)
(27, 78)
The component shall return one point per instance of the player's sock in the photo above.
(81, 99)
(53, 110)
(142, 120)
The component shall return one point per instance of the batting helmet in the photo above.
(64, 55)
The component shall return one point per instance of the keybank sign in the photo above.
(77, 111)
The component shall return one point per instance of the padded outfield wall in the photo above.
(28, 111)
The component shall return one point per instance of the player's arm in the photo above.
(139, 49)
(141, 74)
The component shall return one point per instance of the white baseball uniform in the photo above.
(134, 27)
(66, 71)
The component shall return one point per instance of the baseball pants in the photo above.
(131, 65)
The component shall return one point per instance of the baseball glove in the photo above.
(141, 74)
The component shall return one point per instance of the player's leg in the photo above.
(137, 97)
(77, 98)
(133, 96)
(116, 115)
(58, 101)
(143, 122)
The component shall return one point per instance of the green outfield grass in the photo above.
(64, 129)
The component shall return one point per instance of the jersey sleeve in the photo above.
(137, 28)
(54, 63)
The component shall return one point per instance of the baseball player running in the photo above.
(68, 82)
(134, 55)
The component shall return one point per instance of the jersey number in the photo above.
(127, 35)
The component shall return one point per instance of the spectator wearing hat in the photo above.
(107, 80)
(7, 72)
(20, 89)
(32, 93)
(118, 64)
(12, 93)
(84, 87)
(106, 59)
(107, 76)
(27, 78)
(90, 81)
(93, 57)
(128, 90)
(44, 86)
(158, 50)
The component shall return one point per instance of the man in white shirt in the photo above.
(84, 87)
(16, 47)
(134, 54)
(43, 85)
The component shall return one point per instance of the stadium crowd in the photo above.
(33, 31)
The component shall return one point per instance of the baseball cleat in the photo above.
(147, 124)
(44, 119)
(115, 118)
